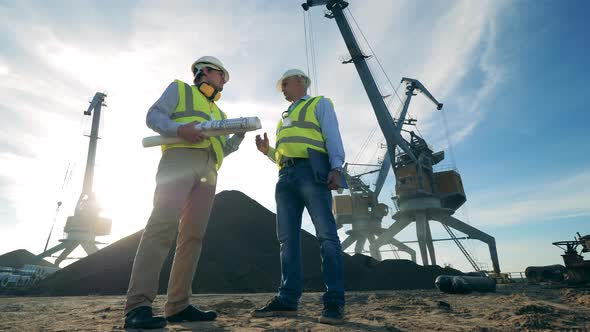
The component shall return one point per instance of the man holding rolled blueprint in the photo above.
(185, 190)
(309, 154)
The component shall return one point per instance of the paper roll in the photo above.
(210, 128)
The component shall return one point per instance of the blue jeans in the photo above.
(296, 189)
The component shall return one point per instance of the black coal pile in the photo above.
(20, 257)
(240, 255)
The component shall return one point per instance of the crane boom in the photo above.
(423, 89)
(382, 173)
(413, 84)
(393, 136)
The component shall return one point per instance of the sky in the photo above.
(511, 75)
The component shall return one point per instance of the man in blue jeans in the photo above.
(308, 123)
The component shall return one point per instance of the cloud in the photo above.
(59, 55)
(558, 198)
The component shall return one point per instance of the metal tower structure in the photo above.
(85, 225)
(421, 194)
(362, 210)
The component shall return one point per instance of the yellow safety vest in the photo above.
(194, 106)
(303, 133)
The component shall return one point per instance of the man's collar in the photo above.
(306, 97)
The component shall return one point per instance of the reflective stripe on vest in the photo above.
(193, 106)
(304, 132)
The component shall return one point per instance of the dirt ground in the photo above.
(512, 307)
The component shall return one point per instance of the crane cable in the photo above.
(372, 133)
(312, 72)
(395, 89)
(305, 34)
(373, 52)
(463, 249)
(464, 209)
(448, 136)
(66, 180)
(310, 50)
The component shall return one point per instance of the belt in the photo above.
(288, 161)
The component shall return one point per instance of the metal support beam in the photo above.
(95, 105)
(53, 250)
(352, 238)
(401, 246)
(360, 245)
(64, 254)
(402, 116)
(383, 171)
(429, 243)
(89, 247)
(391, 133)
(374, 253)
(391, 232)
(421, 234)
(473, 233)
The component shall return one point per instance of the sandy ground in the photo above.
(512, 307)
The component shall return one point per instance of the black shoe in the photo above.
(275, 308)
(192, 314)
(332, 314)
(143, 318)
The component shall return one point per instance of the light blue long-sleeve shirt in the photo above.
(324, 112)
(158, 118)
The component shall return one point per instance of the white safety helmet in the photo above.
(291, 73)
(212, 62)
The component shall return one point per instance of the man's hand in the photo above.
(189, 133)
(334, 179)
(262, 144)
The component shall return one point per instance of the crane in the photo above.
(85, 225)
(362, 210)
(421, 193)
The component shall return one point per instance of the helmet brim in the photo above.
(280, 81)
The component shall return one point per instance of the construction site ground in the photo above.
(512, 307)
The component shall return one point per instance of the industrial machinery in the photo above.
(362, 210)
(577, 268)
(422, 194)
(85, 225)
(23, 277)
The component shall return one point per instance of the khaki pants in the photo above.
(185, 190)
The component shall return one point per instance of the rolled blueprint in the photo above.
(210, 128)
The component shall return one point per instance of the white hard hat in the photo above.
(209, 61)
(291, 73)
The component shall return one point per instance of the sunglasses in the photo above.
(219, 71)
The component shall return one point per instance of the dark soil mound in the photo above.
(240, 255)
(18, 258)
